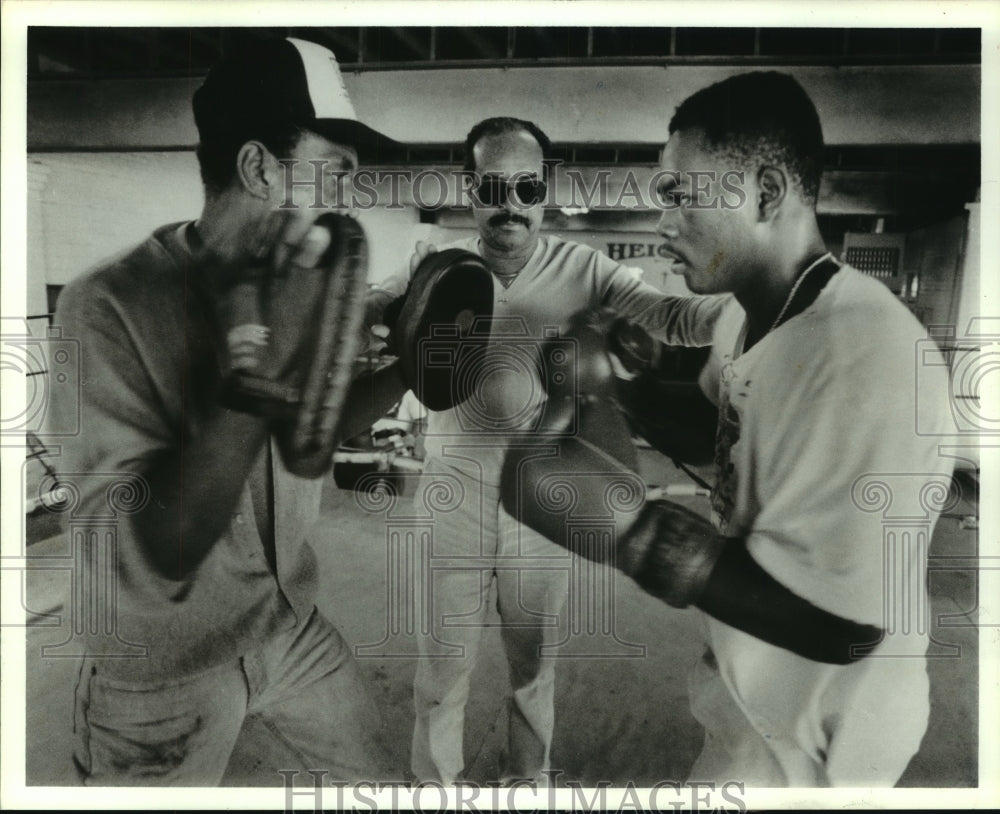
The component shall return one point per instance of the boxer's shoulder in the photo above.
(856, 328)
(134, 265)
(130, 276)
(853, 301)
(729, 324)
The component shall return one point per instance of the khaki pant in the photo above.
(304, 685)
(774, 719)
(474, 543)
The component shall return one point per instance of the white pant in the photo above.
(774, 719)
(475, 542)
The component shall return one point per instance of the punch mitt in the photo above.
(295, 329)
(443, 327)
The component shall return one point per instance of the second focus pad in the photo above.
(443, 327)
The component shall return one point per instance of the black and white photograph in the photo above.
(487, 406)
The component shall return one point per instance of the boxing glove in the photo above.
(574, 479)
(575, 490)
(670, 413)
(573, 483)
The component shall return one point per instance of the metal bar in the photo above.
(804, 60)
(123, 148)
(667, 61)
(385, 459)
(677, 490)
(52, 499)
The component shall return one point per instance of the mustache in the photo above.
(508, 217)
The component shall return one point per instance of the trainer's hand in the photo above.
(295, 324)
(383, 329)
(420, 254)
(290, 237)
(391, 313)
(274, 302)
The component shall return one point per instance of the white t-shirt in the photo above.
(823, 401)
(822, 470)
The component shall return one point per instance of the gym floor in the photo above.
(622, 717)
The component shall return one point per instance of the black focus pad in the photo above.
(443, 327)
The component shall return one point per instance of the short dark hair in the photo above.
(499, 125)
(757, 118)
(217, 153)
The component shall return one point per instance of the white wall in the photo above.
(86, 207)
(968, 304)
(888, 104)
(91, 206)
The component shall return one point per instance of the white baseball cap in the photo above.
(277, 83)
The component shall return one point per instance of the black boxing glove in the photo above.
(670, 413)
(443, 317)
(574, 483)
(578, 473)
(580, 461)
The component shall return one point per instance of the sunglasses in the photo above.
(494, 190)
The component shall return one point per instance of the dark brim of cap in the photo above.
(370, 144)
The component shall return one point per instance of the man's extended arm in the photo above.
(676, 320)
